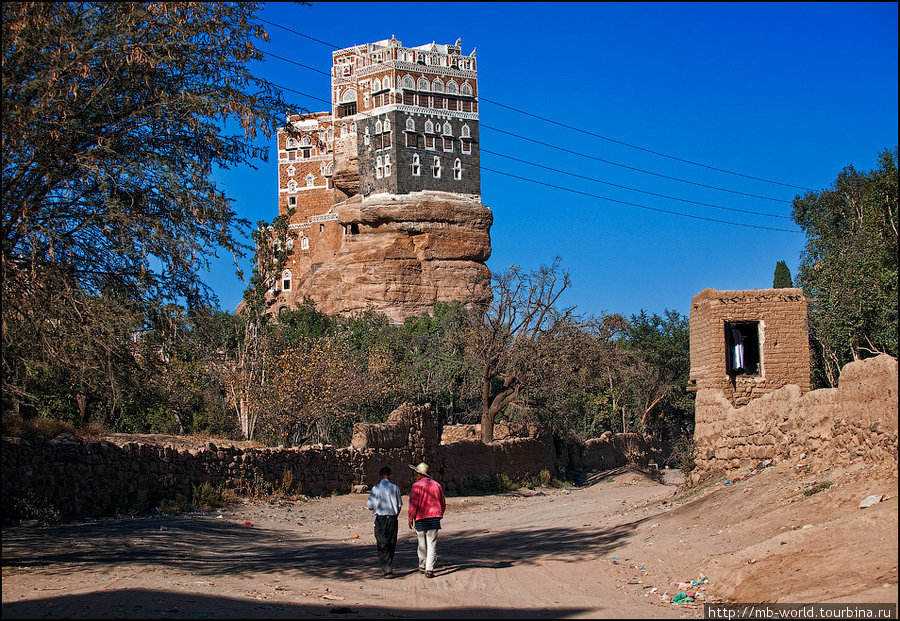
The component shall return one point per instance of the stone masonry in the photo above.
(772, 325)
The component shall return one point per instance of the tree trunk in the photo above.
(487, 417)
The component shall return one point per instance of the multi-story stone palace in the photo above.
(403, 122)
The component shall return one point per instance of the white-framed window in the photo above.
(378, 127)
(310, 180)
(466, 146)
(290, 243)
(448, 129)
(457, 169)
(290, 143)
(411, 124)
(343, 130)
(286, 280)
(436, 167)
(422, 84)
(437, 86)
(465, 132)
(387, 125)
(304, 243)
(366, 136)
(292, 201)
(452, 88)
(387, 165)
(416, 167)
(448, 144)
(353, 128)
(292, 186)
(466, 89)
(305, 141)
(379, 167)
(408, 82)
(376, 85)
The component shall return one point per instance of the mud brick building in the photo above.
(403, 124)
(749, 343)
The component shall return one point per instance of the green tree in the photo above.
(115, 114)
(849, 265)
(782, 278)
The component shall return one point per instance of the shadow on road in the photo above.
(208, 547)
(147, 604)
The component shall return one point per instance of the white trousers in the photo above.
(427, 549)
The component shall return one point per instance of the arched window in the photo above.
(343, 130)
(408, 82)
(452, 88)
(416, 168)
(457, 170)
(436, 167)
(286, 280)
(292, 186)
(353, 129)
(411, 124)
(379, 167)
(349, 96)
(290, 243)
(310, 180)
(387, 125)
(465, 132)
(448, 129)
(437, 86)
(378, 127)
(423, 84)
(305, 141)
(291, 170)
(366, 136)
(466, 89)
(376, 85)
(304, 243)
(387, 165)
(290, 143)
(429, 127)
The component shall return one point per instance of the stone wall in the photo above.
(780, 315)
(82, 478)
(856, 420)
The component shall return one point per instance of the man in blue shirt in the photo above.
(385, 502)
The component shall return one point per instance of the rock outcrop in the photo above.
(404, 253)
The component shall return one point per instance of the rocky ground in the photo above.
(621, 546)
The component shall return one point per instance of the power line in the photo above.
(560, 124)
(648, 172)
(613, 200)
(626, 144)
(625, 187)
(612, 163)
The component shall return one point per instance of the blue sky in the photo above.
(783, 92)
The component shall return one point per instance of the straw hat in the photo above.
(422, 469)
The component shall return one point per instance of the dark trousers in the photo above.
(386, 540)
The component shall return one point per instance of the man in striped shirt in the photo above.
(426, 508)
(385, 502)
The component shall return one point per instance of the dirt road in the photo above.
(614, 549)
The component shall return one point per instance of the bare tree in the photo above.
(503, 337)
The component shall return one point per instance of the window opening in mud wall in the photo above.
(742, 353)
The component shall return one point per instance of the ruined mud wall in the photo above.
(81, 478)
(856, 420)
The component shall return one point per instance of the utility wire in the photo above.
(549, 185)
(571, 127)
(625, 187)
(648, 172)
(598, 159)
(613, 200)
(626, 144)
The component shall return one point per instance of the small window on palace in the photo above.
(742, 351)
(286, 280)
(387, 165)
(304, 243)
(436, 168)
(379, 167)
(457, 170)
(292, 201)
(416, 168)
(310, 180)
(321, 228)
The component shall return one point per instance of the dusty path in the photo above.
(615, 549)
(544, 553)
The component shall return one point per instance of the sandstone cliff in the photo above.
(403, 253)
